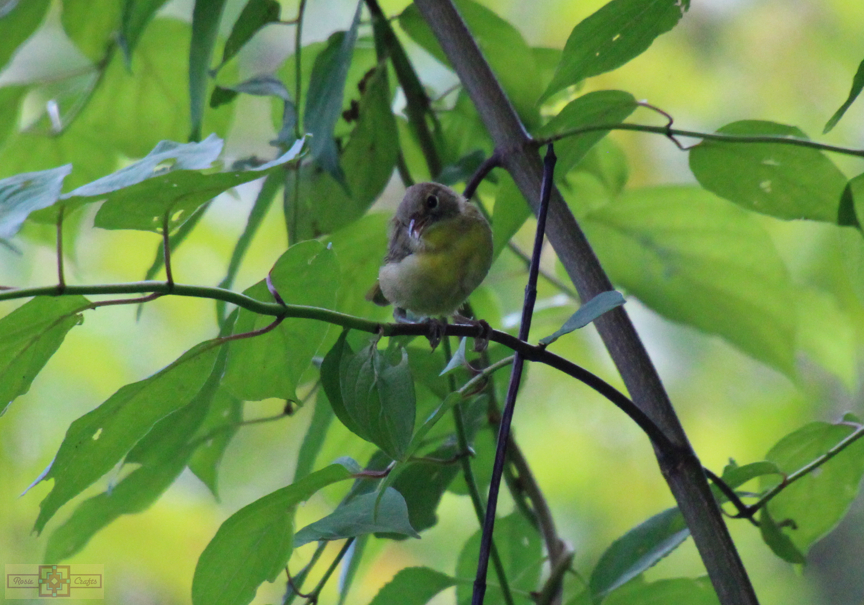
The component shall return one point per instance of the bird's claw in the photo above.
(437, 329)
(481, 341)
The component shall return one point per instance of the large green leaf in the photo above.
(324, 99)
(674, 591)
(25, 193)
(413, 586)
(508, 54)
(137, 14)
(615, 34)
(600, 107)
(519, 545)
(313, 440)
(221, 424)
(702, 261)
(98, 440)
(365, 514)
(18, 24)
(255, 543)
(271, 364)
(29, 336)
(372, 398)
(90, 24)
(637, 550)
(817, 502)
(778, 179)
(176, 194)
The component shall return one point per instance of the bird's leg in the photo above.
(481, 341)
(436, 326)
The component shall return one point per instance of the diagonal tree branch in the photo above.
(683, 472)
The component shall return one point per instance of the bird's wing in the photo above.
(400, 246)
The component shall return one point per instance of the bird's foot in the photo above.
(437, 328)
(484, 331)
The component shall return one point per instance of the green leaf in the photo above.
(313, 440)
(255, 15)
(364, 514)
(413, 586)
(29, 336)
(423, 484)
(372, 398)
(206, 17)
(594, 308)
(178, 194)
(779, 543)
(698, 260)
(639, 549)
(271, 364)
(324, 99)
(519, 546)
(17, 24)
(817, 502)
(458, 360)
(615, 34)
(221, 424)
(165, 157)
(857, 85)
(824, 334)
(255, 543)
(25, 193)
(600, 107)
(98, 440)
(90, 24)
(735, 475)
(137, 14)
(674, 591)
(510, 57)
(781, 180)
(508, 215)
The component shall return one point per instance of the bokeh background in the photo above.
(789, 61)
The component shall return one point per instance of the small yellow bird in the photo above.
(440, 251)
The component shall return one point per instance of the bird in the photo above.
(440, 250)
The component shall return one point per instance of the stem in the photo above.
(61, 279)
(705, 136)
(166, 253)
(513, 389)
(680, 466)
(468, 472)
(313, 596)
(294, 585)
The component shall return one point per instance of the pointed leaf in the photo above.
(779, 543)
(19, 21)
(639, 549)
(255, 15)
(313, 440)
(857, 85)
(509, 213)
(817, 502)
(271, 364)
(777, 179)
(413, 586)
(29, 336)
(177, 193)
(699, 260)
(91, 24)
(615, 34)
(222, 423)
(206, 17)
(137, 14)
(674, 591)
(458, 360)
(364, 514)
(98, 440)
(324, 99)
(25, 193)
(594, 308)
(255, 543)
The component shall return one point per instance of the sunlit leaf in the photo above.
(18, 24)
(29, 336)
(615, 34)
(177, 194)
(518, 543)
(778, 179)
(413, 586)
(699, 260)
(98, 440)
(594, 308)
(817, 502)
(25, 193)
(364, 514)
(857, 86)
(271, 364)
(90, 24)
(639, 549)
(255, 543)
(137, 14)
(255, 15)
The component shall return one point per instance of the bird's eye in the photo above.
(432, 202)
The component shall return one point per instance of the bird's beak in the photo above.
(415, 227)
